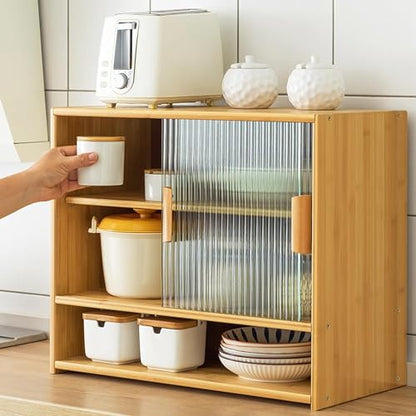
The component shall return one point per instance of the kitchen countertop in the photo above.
(27, 388)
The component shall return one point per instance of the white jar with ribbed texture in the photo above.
(109, 168)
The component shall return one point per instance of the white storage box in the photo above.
(111, 337)
(172, 344)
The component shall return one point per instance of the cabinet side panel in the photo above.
(359, 255)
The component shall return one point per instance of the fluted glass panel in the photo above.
(232, 184)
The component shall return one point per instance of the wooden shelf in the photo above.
(213, 378)
(126, 199)
(132, 199)
(102, 300)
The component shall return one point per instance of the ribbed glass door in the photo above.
(230, 246)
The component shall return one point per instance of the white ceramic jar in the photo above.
(315, 86)
(131, 250)
(172, 344)
(153, 185)
(109, 169)
(250, 85)
(111, 337)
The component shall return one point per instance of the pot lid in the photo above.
(314, 63)
(167, 322)
(145, 221)
(250, 63)
(110, 316)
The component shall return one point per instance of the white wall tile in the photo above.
(374, 46)
(411, 281)
(53, 23)
(86, 19)
(77, 99)
(54, 99)
(387, 103)
(227, 15)
(284, 33)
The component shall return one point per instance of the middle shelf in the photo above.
(134, 200)
(101, 300)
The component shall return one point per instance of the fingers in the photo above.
(80, 161)
(68, 150)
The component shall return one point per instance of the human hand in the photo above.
(55, 173)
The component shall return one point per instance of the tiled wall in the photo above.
(372, 41)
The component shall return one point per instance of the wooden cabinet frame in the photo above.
(359, 246)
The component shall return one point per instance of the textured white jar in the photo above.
(111, 337)
(315, 86)
(250, 85)
(172, 349)
(109, 169)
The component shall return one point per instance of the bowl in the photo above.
(254, 360)
(268, 372)
(267, 354)
(265, 337)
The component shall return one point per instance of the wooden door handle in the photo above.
(302, 224)
(167, 215)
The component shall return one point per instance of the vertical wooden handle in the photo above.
(167, 215)
(302, 224)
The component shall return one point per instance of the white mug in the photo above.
(109, 169)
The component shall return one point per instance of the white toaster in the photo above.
(160, 57)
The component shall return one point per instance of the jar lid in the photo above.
(168, 322)
(143, 222)
(100, 138)
(110, 316)
(314, 63)
(249, 63)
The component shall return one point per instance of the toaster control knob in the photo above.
(120, 81)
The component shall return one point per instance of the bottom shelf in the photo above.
(213, 378)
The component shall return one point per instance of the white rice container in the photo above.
(131, 249)
(111, 337)
(172, 344)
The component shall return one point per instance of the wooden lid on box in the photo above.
(167, 322)
(110, 316)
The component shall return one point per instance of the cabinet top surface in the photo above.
(199, 112)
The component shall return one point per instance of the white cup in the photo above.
(109, 169)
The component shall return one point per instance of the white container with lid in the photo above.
(153, 184)
(131, 250)
(109, 168)
(250, 85)
(315, 86)
(111, 337)
(172, 344)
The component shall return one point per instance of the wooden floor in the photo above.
(27, 388)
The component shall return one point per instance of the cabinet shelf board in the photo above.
(126, 199)
(102, 300)
(132, 199)
(213, 378)
(191, 113)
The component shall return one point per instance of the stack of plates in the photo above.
(264, 354)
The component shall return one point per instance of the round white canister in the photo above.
(109, 169)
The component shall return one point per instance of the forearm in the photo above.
(16, 191)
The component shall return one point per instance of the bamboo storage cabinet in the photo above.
(358, 324)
